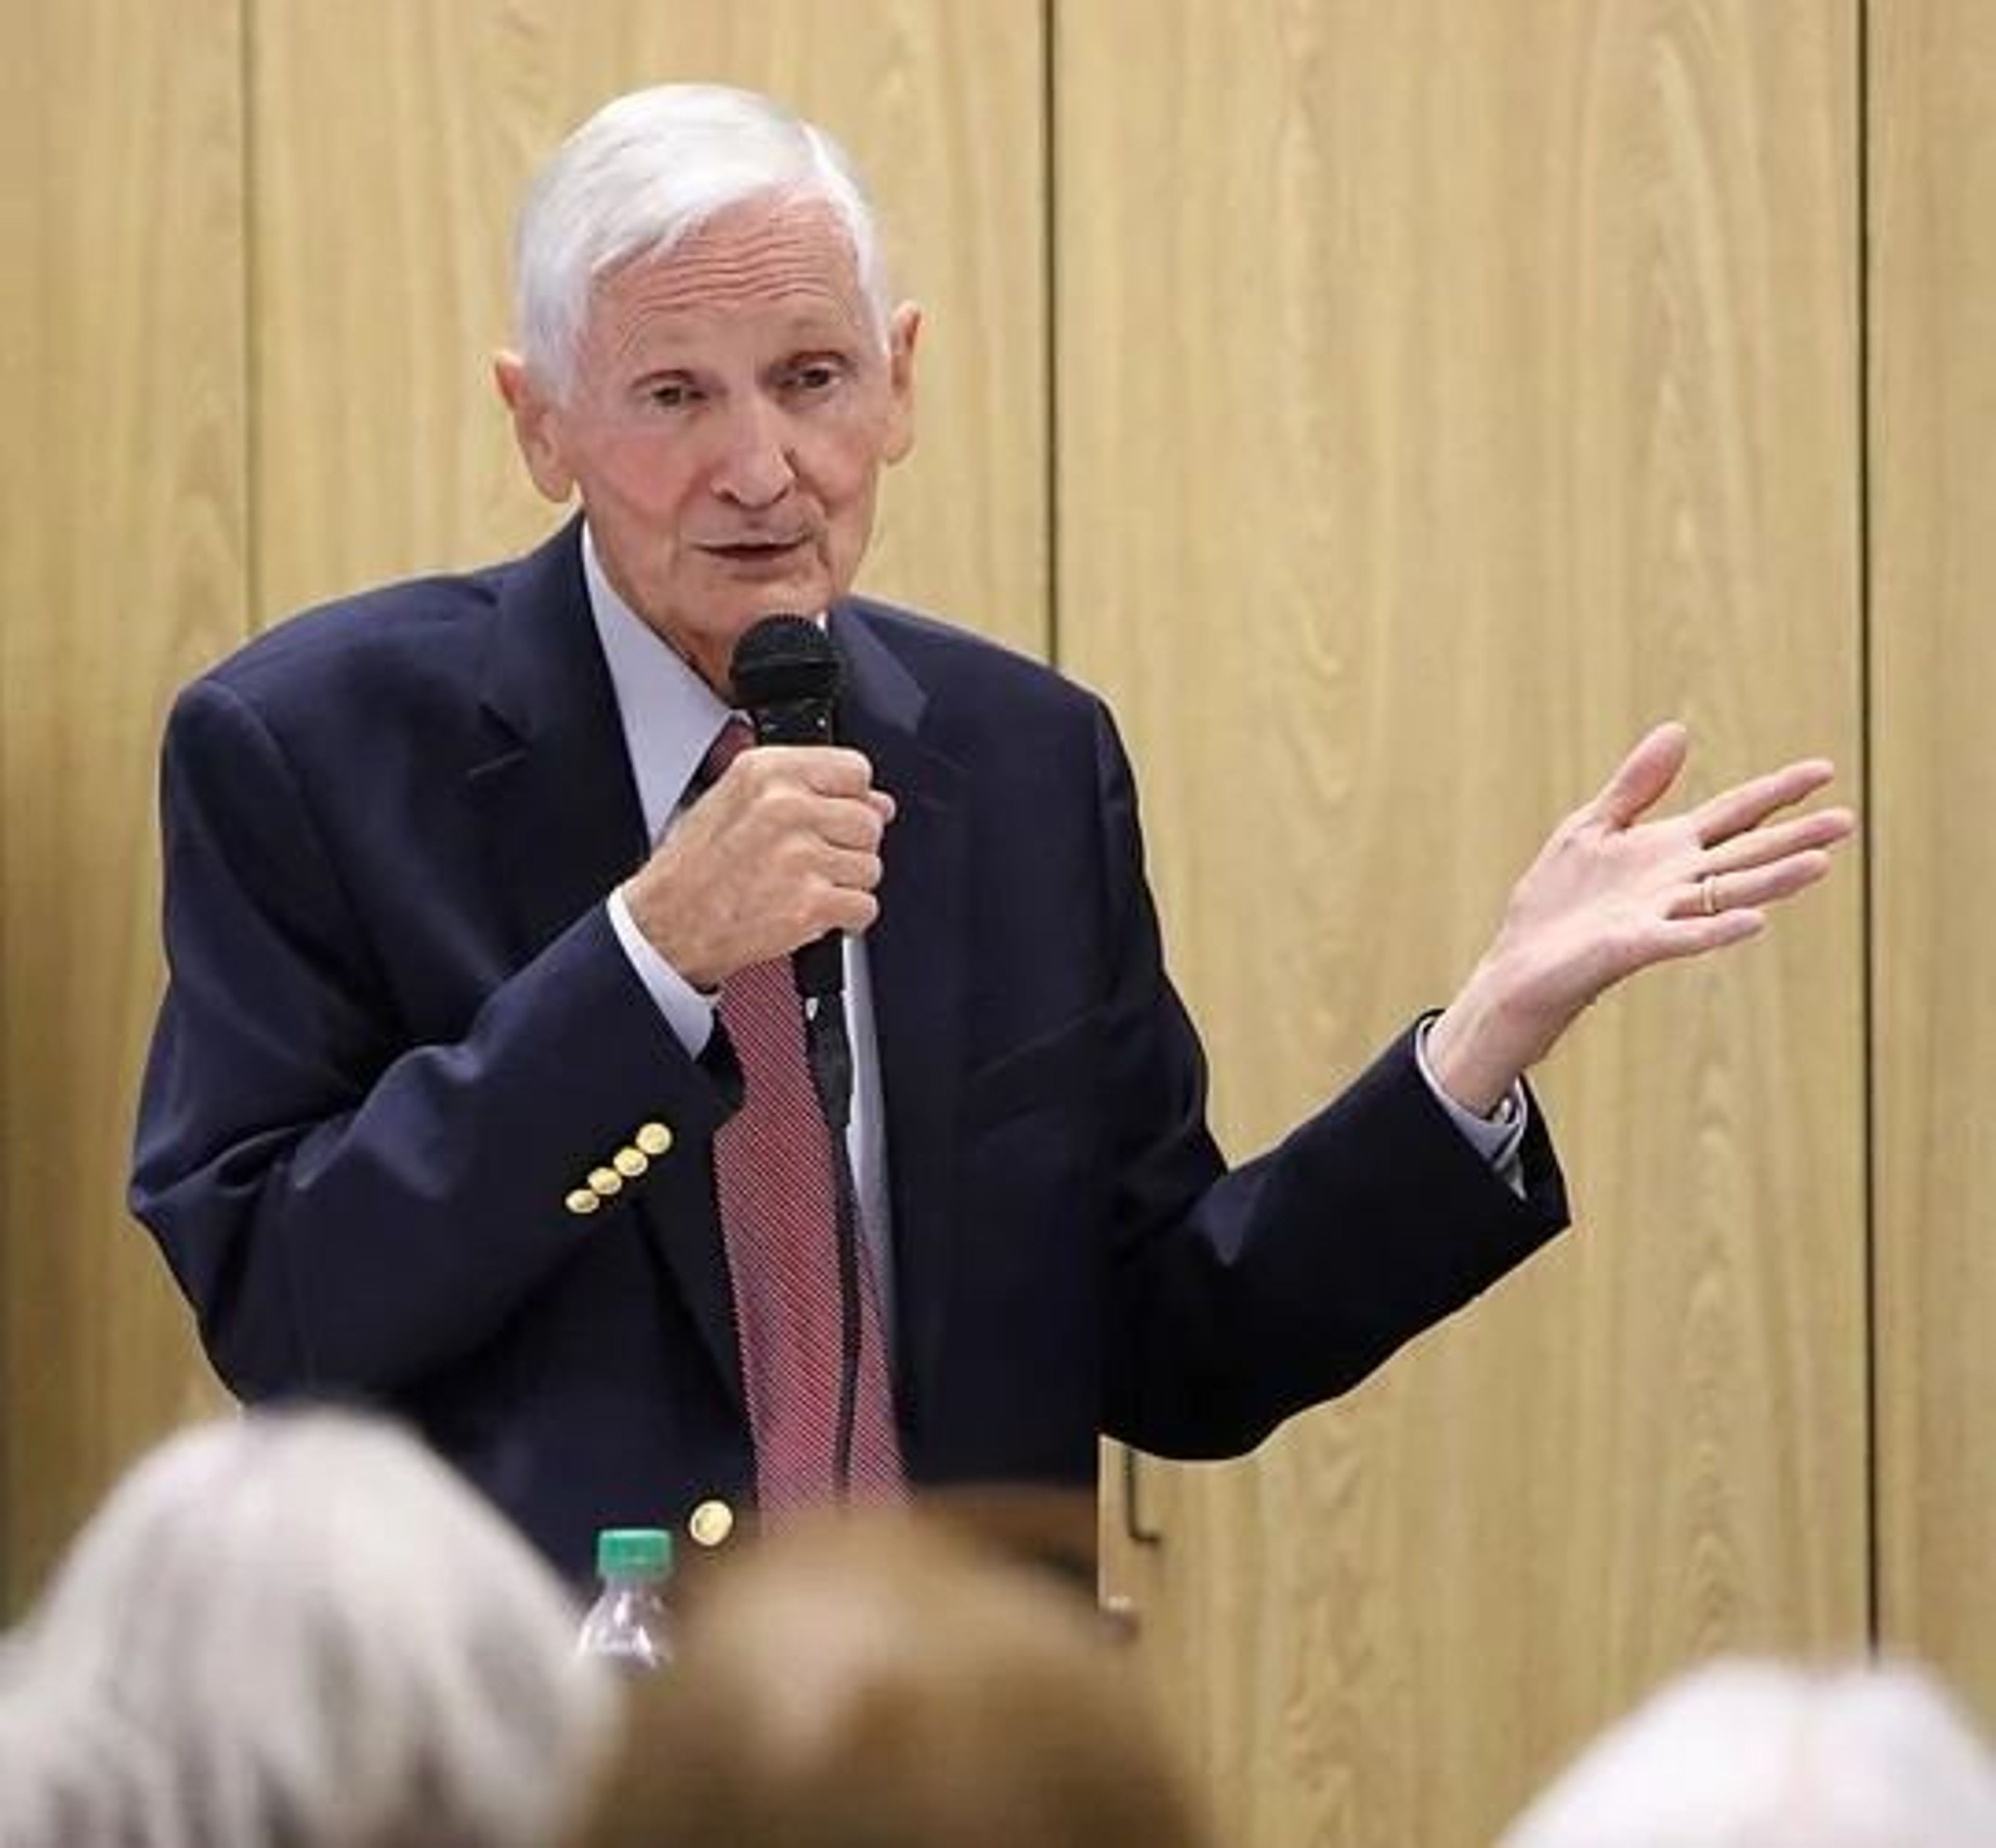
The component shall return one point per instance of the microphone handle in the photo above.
(791, 722)
(819, 968)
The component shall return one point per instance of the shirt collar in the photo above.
(670, 714)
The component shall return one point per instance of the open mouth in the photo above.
(756, 551)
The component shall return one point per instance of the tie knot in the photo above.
(729, 742)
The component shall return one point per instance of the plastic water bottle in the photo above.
(629, 1624)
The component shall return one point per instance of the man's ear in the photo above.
(536, 426)
(903, 327)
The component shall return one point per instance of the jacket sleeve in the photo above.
(343, 1208)
(1238, 1299)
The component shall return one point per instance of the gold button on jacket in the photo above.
(710, 1523)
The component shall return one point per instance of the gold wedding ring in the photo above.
(1708, 894)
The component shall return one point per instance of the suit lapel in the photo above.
(916, 955)
(556, 799)
(562, 825)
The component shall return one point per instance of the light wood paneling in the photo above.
(121, 347)
(1933, 686)
(1445, 393)
(384, 206)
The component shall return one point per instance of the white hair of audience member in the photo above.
(297, 1630)
(649, 169)
(1747, 1754)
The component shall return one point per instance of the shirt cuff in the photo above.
(689, 1013)
(1498, 1136)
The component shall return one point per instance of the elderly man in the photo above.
(478, 1089)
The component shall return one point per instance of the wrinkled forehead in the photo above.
(791, 256)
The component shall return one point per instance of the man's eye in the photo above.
(669, 394)
(818, 375)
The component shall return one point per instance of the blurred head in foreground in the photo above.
(873, 1681)
(293, 1630)
(1761, 1755)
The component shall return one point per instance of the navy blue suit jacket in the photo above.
(399, 1030)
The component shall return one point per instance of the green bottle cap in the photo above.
(634, 1553)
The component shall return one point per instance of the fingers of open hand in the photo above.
(1718, 818)
(1821, 829)
(1750, 888)
(1695, 934)
(1648, 894)
(1763, 864)
(1611, 894)
(1642, 777)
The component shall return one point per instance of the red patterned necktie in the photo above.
(777, 1188)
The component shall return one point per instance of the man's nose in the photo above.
(754, 468)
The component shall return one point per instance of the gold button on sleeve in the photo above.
(583, 1202)
(630, 1163)
(606, 1181)
(654, 1139)
(710, 1523)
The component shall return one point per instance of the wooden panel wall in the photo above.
(382, 227)
(1445, 394)
(121, 343)
(1933, 688)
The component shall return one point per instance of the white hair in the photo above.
(648, 169)
(297, 1630)
(1743, 1754)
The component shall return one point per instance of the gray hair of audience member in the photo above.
(648, 169)
(1747, 1754)
(297, 1630)
(875, 1681)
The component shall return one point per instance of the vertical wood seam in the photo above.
(1050, 312)
(251, 357)
(1868, 1102)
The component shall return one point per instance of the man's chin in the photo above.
(781, 593)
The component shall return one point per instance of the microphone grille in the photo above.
(783, 658)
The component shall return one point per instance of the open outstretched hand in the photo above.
(1615, 890)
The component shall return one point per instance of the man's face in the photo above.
(730, 412)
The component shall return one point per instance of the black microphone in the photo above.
(786, 678)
